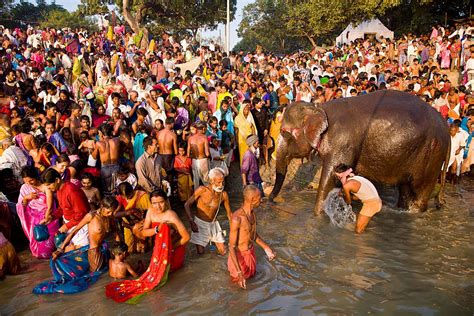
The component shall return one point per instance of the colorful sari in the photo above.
(71, 272)
(31, 215)
(445, 57)
(141, 201)
(185, 181)
(164, 260)
(247, 127)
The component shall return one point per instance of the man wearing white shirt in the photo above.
(125, 109)
(469, 67)
(168, 62)
(142, 89)
(155, 105)
(126, 79)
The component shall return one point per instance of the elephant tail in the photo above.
(440, 197)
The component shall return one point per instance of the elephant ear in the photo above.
(314, 125)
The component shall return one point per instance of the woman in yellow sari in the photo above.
(4, 130)
(275, 126)
(133, 205)
(244, 125)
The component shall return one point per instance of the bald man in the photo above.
(242, 262)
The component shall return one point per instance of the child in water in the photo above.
(118, 267)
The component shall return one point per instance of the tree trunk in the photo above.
(134, 24)
(312, 41)
(194, 31)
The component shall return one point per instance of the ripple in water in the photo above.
(339, 212)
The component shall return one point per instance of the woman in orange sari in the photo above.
(134, 204)
(182, 165)
(171, 238)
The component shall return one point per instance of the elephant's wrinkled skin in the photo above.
(388, 136)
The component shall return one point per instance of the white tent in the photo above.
(365, 29)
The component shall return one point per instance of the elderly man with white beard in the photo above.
(204, 225)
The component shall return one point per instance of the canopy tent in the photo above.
(368, 28)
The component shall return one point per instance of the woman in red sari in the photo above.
(168, 253)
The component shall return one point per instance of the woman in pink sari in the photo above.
(445, 56)
(36, 206)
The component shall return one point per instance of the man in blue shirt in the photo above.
(249, 170)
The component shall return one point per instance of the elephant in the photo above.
(388, 136)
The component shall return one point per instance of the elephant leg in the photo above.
(326, 184)
(405, 195)
(422, 190)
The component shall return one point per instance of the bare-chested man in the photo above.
(205, 227)
(242, 263)
(108, 149)
(167, 146)
(74, 121)
(198, 150)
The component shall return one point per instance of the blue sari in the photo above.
(71, 273)
(138, 149)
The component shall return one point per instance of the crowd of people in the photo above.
(98, 136)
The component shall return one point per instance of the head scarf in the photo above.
(251, 140)
(246, 125)
(344, 175)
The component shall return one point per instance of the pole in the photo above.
(446, 19)
(227, 29)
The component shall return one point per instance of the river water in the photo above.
(404, 264)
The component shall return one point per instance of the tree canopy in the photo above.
(25, 13)
(277, 24)
(169, 15)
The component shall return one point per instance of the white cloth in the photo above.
(207, 232)
(457, 141)
(200, 169)
(81, 238)
(123, 108)
(13, 158)
(153, 115)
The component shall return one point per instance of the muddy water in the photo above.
(415, 264)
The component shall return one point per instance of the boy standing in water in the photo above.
(363, 190)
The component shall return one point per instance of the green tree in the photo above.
(62, 18)
(420, 16)
(263, 23)
(314, 19)
(24, 13)
(278, 24)
(159, 15)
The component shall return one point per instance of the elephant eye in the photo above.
(286, 134)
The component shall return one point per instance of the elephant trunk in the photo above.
(282, 160)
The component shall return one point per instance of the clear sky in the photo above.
(72, 5)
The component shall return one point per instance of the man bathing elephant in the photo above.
(388, 136)
(361, 189)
